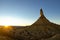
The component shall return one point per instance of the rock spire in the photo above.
(42, 19)
(41, 12)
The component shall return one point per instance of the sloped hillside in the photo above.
(5, 38)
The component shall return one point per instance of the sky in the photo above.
(26, 12)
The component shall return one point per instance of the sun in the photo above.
(6, 26)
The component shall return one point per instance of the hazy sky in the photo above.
(25, 12)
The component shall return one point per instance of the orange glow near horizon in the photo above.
(7, 28)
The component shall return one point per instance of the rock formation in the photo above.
(42, 29)
(42, 19)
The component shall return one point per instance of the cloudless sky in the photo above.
(26, 12)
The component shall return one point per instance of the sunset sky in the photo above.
(26, 12)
